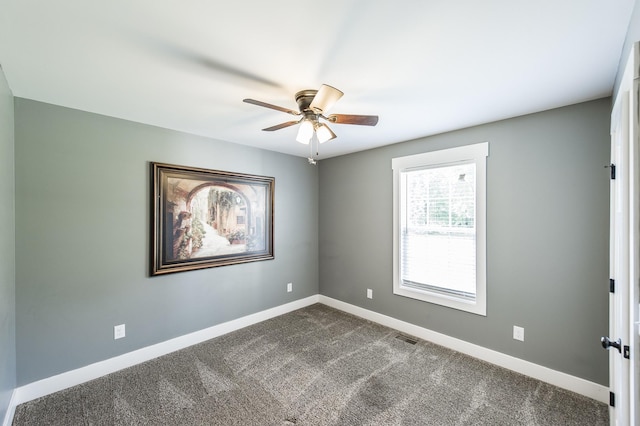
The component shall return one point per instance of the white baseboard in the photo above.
(93, 371)
(556, 378)
(11, 409)
(84, 374)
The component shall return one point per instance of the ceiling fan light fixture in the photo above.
(326, 97)
(305, 133)
(324, 133)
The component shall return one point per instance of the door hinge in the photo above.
(626, 352)
(612, 285)
(612, 399)
(613, 170)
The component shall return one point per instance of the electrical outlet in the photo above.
(369, 293)
(289, 287)
(118, 332)
(518, 333)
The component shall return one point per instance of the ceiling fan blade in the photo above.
(326, 97)
(281, 126)
(363, 120)
(266, 105)
(214, 68)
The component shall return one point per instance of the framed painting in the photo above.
(207, 218)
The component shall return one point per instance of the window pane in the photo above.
(438, 243)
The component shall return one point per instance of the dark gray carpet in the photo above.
(314, 366)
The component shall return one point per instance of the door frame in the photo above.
(624, 246)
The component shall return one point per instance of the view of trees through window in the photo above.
(438, 242)
(441, 198)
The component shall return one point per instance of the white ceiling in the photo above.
(424, 67)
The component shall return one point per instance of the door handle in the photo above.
(607, 343)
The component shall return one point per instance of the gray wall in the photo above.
(547, 233)
(7, 249)
(82, 231)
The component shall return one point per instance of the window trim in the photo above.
(475, 153)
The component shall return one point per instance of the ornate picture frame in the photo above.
(207, 218)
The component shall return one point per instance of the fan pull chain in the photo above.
(311, 159)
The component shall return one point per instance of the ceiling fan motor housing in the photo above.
(304, 99)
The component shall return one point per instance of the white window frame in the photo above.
(476, 153)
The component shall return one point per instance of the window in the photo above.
(439, 231)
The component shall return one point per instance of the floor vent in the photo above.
(407, 339)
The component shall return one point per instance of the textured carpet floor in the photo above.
(314, 366)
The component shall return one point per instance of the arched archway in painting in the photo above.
(225, 209)
(218, 218)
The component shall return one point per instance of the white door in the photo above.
(622, 341)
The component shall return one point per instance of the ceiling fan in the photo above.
(313, 106)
